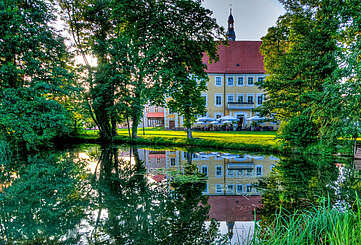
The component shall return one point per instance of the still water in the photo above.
(95, 194)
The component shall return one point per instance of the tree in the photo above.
(299, 56)
(140, 43)
(33, 73)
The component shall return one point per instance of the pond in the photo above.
(110, 194)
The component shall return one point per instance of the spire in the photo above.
(231, 35)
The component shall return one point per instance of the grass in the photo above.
(322, 225)
(237, 140)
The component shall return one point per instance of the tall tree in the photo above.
(33, 73)
(299, 56)
(141, 42)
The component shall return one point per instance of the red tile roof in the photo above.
(238, 57)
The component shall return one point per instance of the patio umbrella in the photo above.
(256, 118)
(205, 119)
(229, 118)
(216, 123)
(201, 123)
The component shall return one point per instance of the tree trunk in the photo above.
(189, 133)
(130, 136)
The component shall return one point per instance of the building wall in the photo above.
(225, 90)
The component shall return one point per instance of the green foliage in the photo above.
(33, 74)
(42, 201)
(322, 224)
(145, 50)
(298, 131)
(299, 56)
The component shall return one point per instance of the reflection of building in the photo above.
(228, 174)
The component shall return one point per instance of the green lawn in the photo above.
(239, 140)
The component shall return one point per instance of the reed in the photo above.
(320, 225)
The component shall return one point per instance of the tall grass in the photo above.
(322, 225)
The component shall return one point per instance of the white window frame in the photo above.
(259, 95)
(218, 190)
(255, 170)
(206, 166)
(258, 77)
(245, 189)
(239, 191)
(228, 98)
(250, 85)
(229, 171)
(215, 171)
(228, 77)
(229, 190)
(250, 95)
(240, 95)
(215, 100)
(243, 82)
(215, 81)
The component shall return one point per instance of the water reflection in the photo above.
(301, 183)
(123, 195)
(56, 199)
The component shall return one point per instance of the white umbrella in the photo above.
(227, 121)
(205, 119)
(201, 123)
(229, 118)
(256, 118)
(216, 123)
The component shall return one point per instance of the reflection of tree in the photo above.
(297, 183)
(139, 211)
(44, 202)
(350, 188)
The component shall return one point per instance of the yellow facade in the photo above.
(229, 94)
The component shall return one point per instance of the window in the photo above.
(219, 171)
(248, 188)
(259, 170)
(250, 81)
(250, 99)
(239, 188)
(230, 81)
(230, 173)
(230, 98)
(204, 170)
(218, 100)
(260, 79)
(240, 99)
(219, 188)
(230, 188)
(240, 81)
(259, 99)
(218, 81)
(172, 162)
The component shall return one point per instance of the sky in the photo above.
(252, 18)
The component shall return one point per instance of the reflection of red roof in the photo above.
(238, 57)
(158, 177)
(155, 114)
(156, 156)
(233, 208)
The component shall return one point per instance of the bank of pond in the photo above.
(122, 194)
